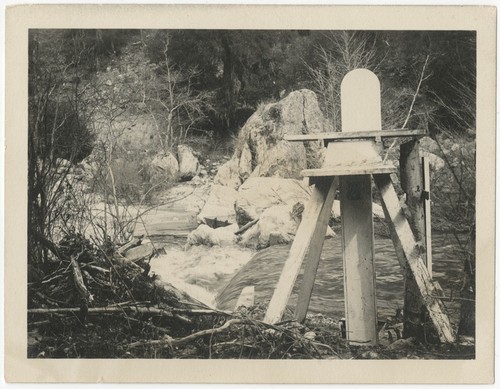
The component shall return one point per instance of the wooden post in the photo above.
(427, 210)
(360, 99)
(412, 184)
(358, 255)
(323, 193)
(410, 257)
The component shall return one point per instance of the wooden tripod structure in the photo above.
(352, 158)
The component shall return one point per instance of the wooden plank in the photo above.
(360, 109)
(358, 257)
(332, 136)
(427, 208)
(314, 254)
(298, 251)
(410, 256)
(350, 170)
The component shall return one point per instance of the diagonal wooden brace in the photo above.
(409, 256)
(314, 253)
(320, 204)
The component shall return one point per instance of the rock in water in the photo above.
(260, 193)
(188, 163)
(276, 226)
(261, 150)
(205, 235)
(219, 209)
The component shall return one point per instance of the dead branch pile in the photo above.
(83, 274)
(94, 302)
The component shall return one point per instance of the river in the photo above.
(216, 275)
(264, 268)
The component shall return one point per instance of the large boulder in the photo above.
(189, 165)
(261, 150)
(436, 163)
(219, 209)
(432, 151)
(430, 145)
(277, 225)
(259, 193)
(228, 174)
(164, 167)
(205, 235)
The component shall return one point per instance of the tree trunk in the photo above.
(228, 83)
(412, 185)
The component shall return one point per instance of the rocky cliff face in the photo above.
(259, 183)
(261, 150)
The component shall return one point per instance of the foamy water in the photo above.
(200, 271)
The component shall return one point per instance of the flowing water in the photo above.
(264, 268)
(216, 275)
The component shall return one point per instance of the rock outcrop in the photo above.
(228, 174)
(436, 163)
(276, 225)
(261, 150)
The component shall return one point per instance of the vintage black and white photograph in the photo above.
(251, 194)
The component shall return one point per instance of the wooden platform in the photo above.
(332, 136)
(380, 168)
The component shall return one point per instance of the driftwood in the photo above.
(121, 260)
(200, 312)
(47, 243)
(246, 227)
(130, 308)
(133, 243)
(79, 282)
(137, 253)
(168, 341)
(103, 310)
